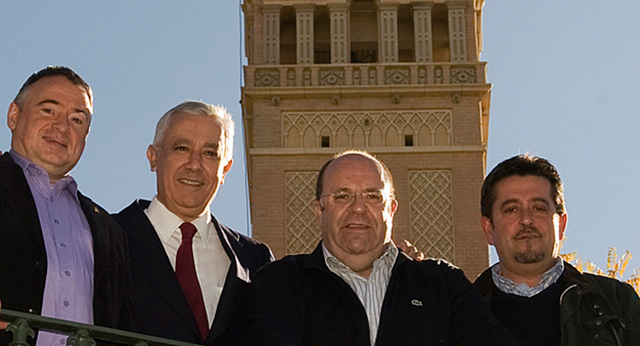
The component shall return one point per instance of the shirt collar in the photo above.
(509, 286)
(39, 178)
(386, 261)
(166, 222)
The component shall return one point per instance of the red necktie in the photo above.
(186, 273)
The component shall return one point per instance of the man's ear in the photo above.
(12, 115)
(562, 225)
(318, 208)
(225, 170)
(487, 229)
(394, 206)
(152, 156)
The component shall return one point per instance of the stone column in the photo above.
(340, 39)
(271, 32)
(388, 32)
(422, 31)
(457, 36)
(304, 33)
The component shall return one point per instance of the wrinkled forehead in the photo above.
(51, 87)
(524, 188)
(187, 120)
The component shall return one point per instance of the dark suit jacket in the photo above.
(23, 260)
(160, 307)
(298, 301)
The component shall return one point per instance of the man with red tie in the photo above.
(189, 271)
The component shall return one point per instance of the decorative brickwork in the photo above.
(388, 25)
(432, 212)
(301, 228)
(457, 37)
(367, 129)
(267, 78)
(403, 80)
(332, 77)
(272, 35)
(398, 75)
(463, 75)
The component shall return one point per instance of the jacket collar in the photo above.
(12, 179)
(573, 276)
(570, 276)
(315, 260)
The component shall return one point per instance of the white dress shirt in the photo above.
(211, 261)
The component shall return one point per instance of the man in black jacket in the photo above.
(61, 255)
(356, 288)
(540, 298)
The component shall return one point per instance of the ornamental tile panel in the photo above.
(301, 230)
(377, 128)
(431, 213)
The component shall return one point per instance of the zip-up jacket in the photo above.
(594, 309)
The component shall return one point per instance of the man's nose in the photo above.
(358, 204)
(62, 123)
(526, 217)
(195, 161)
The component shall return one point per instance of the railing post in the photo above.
(81, 338)
(21, 324)
(21, 330)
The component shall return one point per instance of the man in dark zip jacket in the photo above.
(540, 298)
(357, 288)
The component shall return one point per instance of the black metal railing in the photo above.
(22, 326)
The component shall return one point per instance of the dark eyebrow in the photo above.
(540, 199)
(180, 141)
(49, 101)
(535, 199)
(371, 189)
(83, 111)
(86, 113)
(509, 201)
(214, 146)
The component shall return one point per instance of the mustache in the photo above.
(527, 231)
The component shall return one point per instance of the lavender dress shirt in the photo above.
(68, 292)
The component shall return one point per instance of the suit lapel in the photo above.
(100, 252)
(147, 250)
(235, 284)
(13, 180)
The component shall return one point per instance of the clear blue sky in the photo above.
(565, 78)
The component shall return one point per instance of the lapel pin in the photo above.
(416, 302)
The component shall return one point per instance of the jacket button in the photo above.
(598, 323)
(596, 306)
(599, 313)
(596, 336)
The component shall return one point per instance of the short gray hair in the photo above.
(203, 109)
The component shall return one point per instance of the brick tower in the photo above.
(400, 79)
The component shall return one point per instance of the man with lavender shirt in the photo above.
(61, 255)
